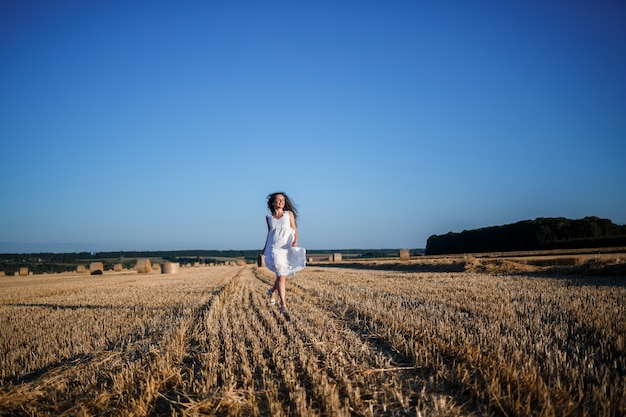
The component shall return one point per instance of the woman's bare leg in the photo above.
(280, 284)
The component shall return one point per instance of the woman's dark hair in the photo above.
(289, 205)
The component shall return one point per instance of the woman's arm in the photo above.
(292, 224)
(268, 234)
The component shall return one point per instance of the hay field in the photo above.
(360, 342)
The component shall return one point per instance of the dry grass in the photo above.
(360, 342)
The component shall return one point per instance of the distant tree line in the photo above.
(63, 262)
(540, 234)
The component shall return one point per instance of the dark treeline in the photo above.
(539, 234)
(72, 257)
(173, 255)
(63, 262)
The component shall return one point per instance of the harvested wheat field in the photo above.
(360, 342)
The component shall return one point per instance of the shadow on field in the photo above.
(61, 306)
(399, 266)
(590, 271)
(604, 272)
(418, 377)
(59, 366)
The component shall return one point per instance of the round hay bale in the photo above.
(170, 268)
(2, 274)
(241, 262)
(405, 254)
(118, 267)
(260, 260)
(96, 266)
(156, 268)
(143, 266)
(336, 257)
(24, 271)
(81, 269)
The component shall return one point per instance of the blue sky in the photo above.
(153, 125)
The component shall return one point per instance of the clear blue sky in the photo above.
(153, 125)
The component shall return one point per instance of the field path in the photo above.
(247, 359)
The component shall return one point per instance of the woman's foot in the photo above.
(285, 313)
(270, 294)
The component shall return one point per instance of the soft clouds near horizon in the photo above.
(164, 125)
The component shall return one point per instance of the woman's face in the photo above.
(279, 201)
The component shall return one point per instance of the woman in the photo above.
(282, 254)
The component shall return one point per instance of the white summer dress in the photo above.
(280, 257)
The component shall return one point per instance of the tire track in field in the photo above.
(207, 347)
(368, 378)
(313, 390)
(249, 362)
(419, 387)
(228, 360)
(259, 371)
